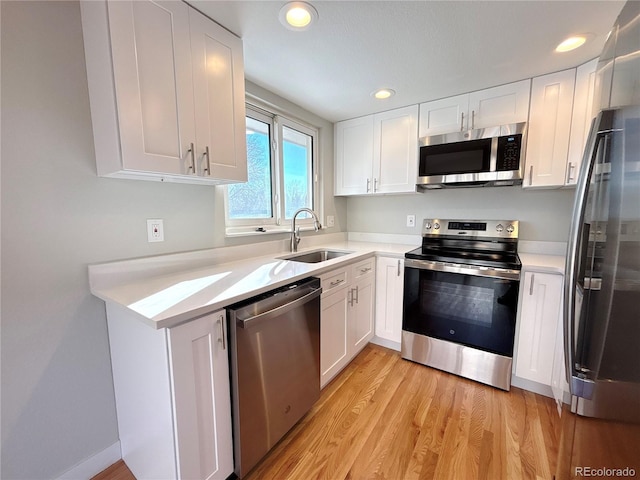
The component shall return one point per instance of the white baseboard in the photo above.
(383, 342)
(94, 465)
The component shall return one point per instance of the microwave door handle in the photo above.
(578, 386)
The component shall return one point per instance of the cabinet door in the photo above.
(153, 85)
(446, 115)
(333, 334)
(218, 82)
(499, 105)
(549, 128)
(581, 118)
(395, 150)
(362, 303)
(539, 318)
(202, 404)
(389, 292)
(354, 156)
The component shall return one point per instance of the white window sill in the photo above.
(266, 230)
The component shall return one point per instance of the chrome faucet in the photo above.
(295, 232)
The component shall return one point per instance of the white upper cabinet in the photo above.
(354, 156)
(166, 88)
(377, 153)
(549, 128)
(500, 105)
(443, 116)
(395, 151)
(218, 82)
(583, 113)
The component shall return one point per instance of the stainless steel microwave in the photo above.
(474, 158)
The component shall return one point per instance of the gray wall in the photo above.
(544, 214)
(57, 217)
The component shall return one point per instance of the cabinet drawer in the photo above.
(364, 268)
(334, 280)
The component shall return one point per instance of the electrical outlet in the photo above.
(155, 230)
(331, 221)
(411, 220)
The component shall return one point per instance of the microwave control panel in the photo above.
(508, 154)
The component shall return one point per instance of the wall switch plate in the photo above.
(411, 220)
(155, 230)
(331, 221)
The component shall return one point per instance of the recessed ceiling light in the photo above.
(298, 15)
(383, 93)
(571, 43)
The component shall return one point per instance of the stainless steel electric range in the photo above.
(460, 298)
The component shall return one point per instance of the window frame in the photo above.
(277, 223)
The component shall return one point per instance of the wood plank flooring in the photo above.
(386, 418)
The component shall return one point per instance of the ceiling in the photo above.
(424, 50)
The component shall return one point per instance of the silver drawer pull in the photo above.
(222, 339)
(365, 270)
(192, 151)
(337, 282)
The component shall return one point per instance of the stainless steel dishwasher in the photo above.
(275, 366)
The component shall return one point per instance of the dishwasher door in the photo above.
(275, 367)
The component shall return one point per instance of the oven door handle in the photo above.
(474, 270)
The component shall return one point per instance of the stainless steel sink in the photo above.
(316, 256)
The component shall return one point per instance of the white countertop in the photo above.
(542, 263)
(167, 290)
(164, 300)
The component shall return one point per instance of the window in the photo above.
(281, 176)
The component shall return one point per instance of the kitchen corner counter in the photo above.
(533, 262)
(165, 297)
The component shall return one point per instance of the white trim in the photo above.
(383, 342)
(95, 464)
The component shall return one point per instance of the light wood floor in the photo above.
(387, 418)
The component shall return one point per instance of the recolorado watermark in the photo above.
(605, 472)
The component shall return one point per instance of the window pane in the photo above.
(297, 171)
(253, 199)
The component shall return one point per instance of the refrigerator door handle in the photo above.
(578, 384)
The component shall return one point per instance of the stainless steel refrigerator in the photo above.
(600, 429)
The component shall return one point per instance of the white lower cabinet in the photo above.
(539, 321)
(333, 333)
(389, 292)
(346, 318)
(172, 396)
(200, 374)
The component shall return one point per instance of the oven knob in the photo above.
(436, 226)
(499, 227)
(510, 228)
(452, 332)
(427, 226)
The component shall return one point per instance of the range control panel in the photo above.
(471, 228)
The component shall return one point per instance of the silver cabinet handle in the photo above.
(375, 185)
(365, 270)
(222, 339)
(368, 184)
(571, 166)
(208, 169)
(531, 175)
(357, 299)
(337, 282)
(398, 267)
(462, 121)
(533, 278)
(192, 151)
(473, 119)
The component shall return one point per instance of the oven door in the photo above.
(468, 305)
